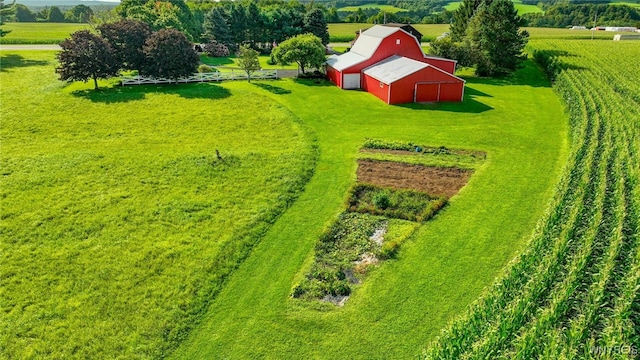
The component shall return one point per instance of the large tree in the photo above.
(315, 23)
(127, 39)
(254, 24)
(306, 50)
(248, 60)
(79, 14)
(495, 38)
(5, 11)
(161, 14)
(492, 40)
(24, 14)
(55, 15)
(169, 55)
(216, 27)
(462, 15)
(86, 56)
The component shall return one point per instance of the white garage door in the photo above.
(351, 81)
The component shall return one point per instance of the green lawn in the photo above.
(119, 222)
(386, 8)
(120, 226)
(39, 33)
(446, 263)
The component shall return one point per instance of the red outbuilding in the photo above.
(389, 63)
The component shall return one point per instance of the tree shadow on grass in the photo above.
(272, 89)
(217, 61)
(313, 82)
(120, 94)
(468, 105)
(528, 74)
(12, 61)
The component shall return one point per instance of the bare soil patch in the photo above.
(428, 179)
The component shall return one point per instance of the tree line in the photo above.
(77, 14)
(569, 14)
(230, 22)
(126, 45)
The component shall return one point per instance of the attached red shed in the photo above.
(398, 80)
(379, 44)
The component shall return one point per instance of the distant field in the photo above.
(522, 8)
(39, 33)
(347, 32)
(553, 33)
(387, 8)
(632, 4)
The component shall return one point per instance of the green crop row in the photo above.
(576, 286)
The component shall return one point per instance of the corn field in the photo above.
(575, 292)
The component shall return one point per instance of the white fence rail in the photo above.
(200, 77)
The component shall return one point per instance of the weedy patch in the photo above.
(347, 243)
(400, 204)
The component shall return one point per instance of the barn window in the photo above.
(397, 41)
(381, 84)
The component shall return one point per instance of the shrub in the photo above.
(216, 49)
(206, 69)
(391, 145)
(389, 250)
(316, 74)
(381, 200)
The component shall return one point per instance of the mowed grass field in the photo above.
(119, 222)
(440, 270)
(39, 33)
(122, 230)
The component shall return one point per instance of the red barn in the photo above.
(377, 51)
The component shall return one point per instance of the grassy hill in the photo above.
(522, 8)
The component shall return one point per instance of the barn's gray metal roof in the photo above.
(394, 69)
(341, 62)
(368, 42)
